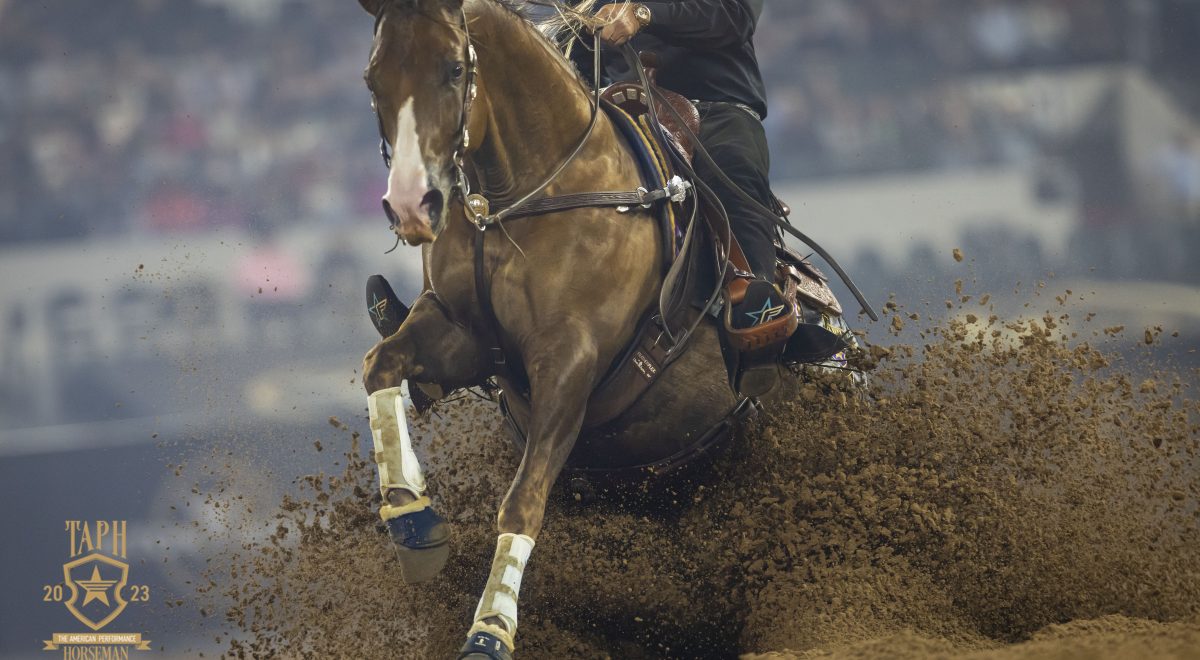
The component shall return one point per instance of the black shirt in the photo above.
(705, 50)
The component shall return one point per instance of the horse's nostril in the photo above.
(432, 204)
(391, 215)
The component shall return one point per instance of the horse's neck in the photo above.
(537, 108)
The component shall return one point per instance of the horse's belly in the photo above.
(690, 398)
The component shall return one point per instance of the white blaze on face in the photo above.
(407, 177)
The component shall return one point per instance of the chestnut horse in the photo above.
(470, 95)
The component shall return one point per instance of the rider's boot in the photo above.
(388, 313)
(420, 534)
(758, 322)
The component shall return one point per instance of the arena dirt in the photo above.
(1005, 488)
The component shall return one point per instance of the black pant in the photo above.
(738, 145)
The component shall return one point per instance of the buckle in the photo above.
(644, 195)
(476, 208)
(677, 189)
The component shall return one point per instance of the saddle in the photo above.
(800, 282)
(631, 98)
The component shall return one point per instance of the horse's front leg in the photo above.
(431, 348)
(561, 376)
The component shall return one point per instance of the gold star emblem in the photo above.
(96, 588)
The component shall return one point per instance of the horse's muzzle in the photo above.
(415, 225)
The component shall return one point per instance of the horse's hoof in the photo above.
(422, 541)
(485, 646)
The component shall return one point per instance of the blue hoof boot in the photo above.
(485, 646)
(422, 540)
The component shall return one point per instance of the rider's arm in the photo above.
(704, 23)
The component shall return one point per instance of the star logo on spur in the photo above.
(768, 312)
(378, 309)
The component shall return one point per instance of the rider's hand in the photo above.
(619, 23)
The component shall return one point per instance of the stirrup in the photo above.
(764, 318)
(757, 328)
(387, 311)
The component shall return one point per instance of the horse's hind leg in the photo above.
(561, 377)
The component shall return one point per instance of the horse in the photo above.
(471, 95)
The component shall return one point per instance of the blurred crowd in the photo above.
(178, 115)
(875, 85)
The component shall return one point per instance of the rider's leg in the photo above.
(738, 145)
(760, 318)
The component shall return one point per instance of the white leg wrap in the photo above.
(394, 456)
(500, 596)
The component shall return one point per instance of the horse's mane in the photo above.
(554, 18)
(562, 23)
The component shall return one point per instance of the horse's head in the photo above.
(418, 76)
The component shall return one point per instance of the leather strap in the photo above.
(483, 293)
(639, 197)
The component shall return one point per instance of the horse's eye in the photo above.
(457, 71)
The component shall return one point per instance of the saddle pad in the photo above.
(654, 173)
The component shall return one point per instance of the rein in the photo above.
(477, 207)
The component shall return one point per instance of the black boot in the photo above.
(758, 328)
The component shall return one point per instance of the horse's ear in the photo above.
(372, 6)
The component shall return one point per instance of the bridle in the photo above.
(470, 90)
(476, 206)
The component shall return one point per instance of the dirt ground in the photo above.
(1004, 488)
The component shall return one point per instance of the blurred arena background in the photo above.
(189, 208)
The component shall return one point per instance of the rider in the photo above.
(705, 52)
